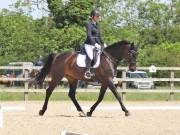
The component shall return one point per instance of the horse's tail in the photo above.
(39, 79)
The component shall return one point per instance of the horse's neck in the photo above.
(107, 55)
(114, 54)
(109, 58)
(111, 63)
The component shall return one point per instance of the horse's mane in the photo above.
(117, 44)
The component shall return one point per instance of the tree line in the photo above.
(152, 25)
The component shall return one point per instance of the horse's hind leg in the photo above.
(49, 91)
(72, 95)
(48, 94)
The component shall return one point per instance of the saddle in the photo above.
(81, 59)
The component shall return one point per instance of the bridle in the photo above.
(132, 53)
(113, 60)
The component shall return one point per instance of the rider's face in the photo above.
(96, 18)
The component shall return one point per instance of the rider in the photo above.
(93, 40)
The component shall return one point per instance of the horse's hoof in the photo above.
(82, 114)
(41, 113)
(127, 114)
(89, 114)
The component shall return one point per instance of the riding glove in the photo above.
(105, 45)
(98, 46)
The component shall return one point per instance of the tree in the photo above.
(71, 12)
(157, 21)
(164, 54)
(152, 25)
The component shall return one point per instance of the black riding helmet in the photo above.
(95, 13)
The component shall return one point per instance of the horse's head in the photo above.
(124, 50)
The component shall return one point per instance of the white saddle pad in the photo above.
(82, 63)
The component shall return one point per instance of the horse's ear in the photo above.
(132, 46)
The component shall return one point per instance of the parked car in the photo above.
(6, 82)
(143, 84)
(18, 73)
(13, 73)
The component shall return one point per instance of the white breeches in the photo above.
(89, 50)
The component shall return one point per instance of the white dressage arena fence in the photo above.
(9, 108)
(171, 79)
(70, 133)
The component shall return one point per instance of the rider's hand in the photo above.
(105, 45)
(98, 46)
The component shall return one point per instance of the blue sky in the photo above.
(36, 13)
(5, 4)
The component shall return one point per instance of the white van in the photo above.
(20, 72)
(139, 84)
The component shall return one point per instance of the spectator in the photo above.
(82, 84)
(40, 61)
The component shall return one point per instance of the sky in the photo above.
(36, 13)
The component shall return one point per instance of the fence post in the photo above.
(26, 74)
(172, 87)
(26, 91)
(124, 85)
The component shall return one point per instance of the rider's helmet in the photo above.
(94, 13)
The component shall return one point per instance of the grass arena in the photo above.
(60, 117)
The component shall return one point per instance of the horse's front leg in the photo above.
(100, 98)
(72, 95)
(118, 97)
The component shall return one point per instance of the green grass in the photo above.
(89, 96)
(148, 96)
(11, 96)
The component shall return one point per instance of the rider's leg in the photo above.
(89, 50)
(95, 56)
(88, 62)
(89, 58)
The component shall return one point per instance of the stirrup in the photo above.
(88, 74)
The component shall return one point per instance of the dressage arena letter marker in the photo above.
(70, 133)
(9, 108)
(1, 117)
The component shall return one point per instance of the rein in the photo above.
(110, 58)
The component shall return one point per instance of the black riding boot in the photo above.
(88, 73)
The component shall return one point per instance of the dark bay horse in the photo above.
(64, 65)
